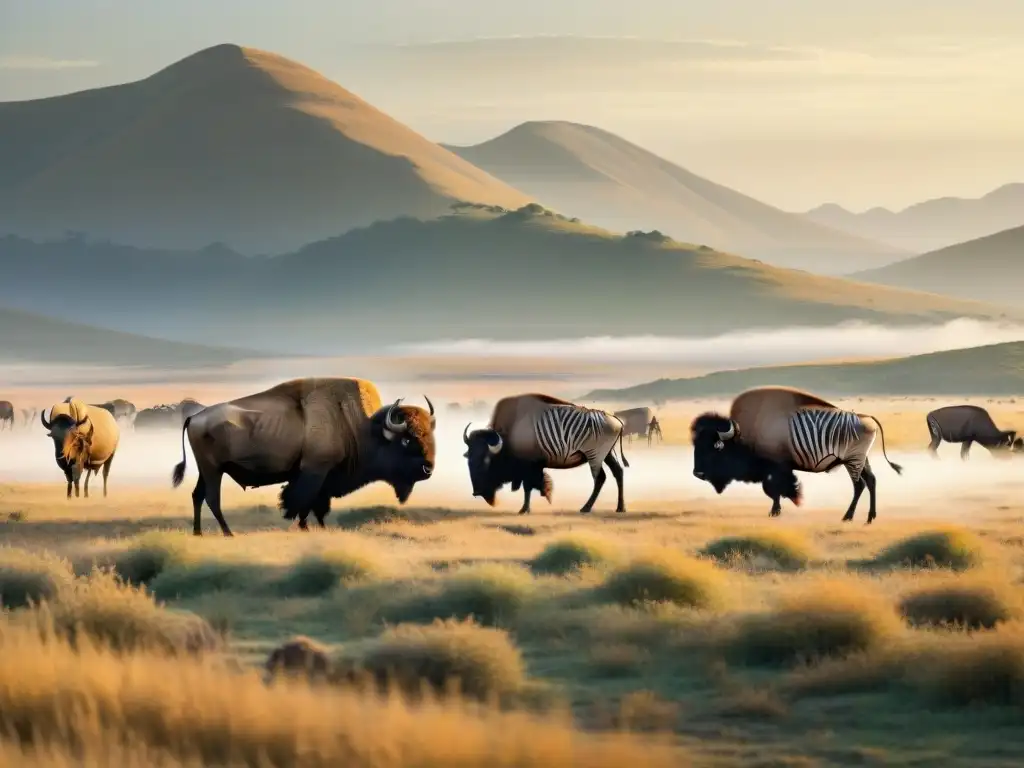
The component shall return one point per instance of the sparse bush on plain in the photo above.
(951, 548)
(148, 556)
(102, 609)
(666, 576)
(492, 595)
(827, 619)
(977, 669)
(785, 550)
(477, 661)
(958, 603)
(571, 554)
(29, 577)
(319, 573)
(200, 576)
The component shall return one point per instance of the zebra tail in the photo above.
(881, 431)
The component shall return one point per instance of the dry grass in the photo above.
(666, 576)
(960, 602)
(30, 578)
(955, 548)
(571, 554)
(766, 549)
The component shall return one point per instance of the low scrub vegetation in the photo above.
(571, 554)
(27, 577)
(782, 550)
(959, 603)
(666, 576)
(952, 548)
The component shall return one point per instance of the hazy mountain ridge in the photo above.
(229, 144)
(987, 269)
(588, 172)
(931, 224)
(481, 273)
(995, 370)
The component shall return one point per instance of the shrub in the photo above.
(964, 670)
(148, 556)
(196, 577)
(491, 594)
(971, 605)
(666, 576)
(952, 548)
(828, 619)
(778, 549)
(571, 554)
(480, 661)
(103, 610)
(27, 577)
(319, 573)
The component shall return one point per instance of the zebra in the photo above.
(531, 433)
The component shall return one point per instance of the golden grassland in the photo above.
(692, 630)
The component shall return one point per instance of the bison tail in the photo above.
(896, 467)
(622, 453)
(179, 469)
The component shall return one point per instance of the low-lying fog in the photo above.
(656, 474)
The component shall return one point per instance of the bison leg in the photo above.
(965, 449)
(88, 474)
(527, 490)
(321, 509)
(599, 477)
(299, 496)
(616, 468)
(933, 446)
(869, 481)
(859, 481)
(106, 474)
(67, 474)
(212, 492)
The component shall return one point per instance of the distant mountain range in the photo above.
(593, 174)
(932, 224)
(994, 369)
(987, 269)
(230, 145)
(479, 273)
(27, 337)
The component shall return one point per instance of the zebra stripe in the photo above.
(820, 437)
(565, 430)
(934, 428)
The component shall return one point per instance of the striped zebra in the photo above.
(532, 433)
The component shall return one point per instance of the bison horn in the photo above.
(42, 416)
(433, 419)
(82, 421)
(729, 433)
(465, 434)
(496, 448)
(392, 422)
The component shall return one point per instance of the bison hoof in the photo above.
(524, 511)
(585, 511)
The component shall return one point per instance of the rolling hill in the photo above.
(587, 172)
(995, 370)
(987, 269)
(27, 337)
(478, 273)
(230, 145)
(931, 224)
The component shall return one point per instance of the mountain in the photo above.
(932, 224)
(994, 369)
(587, 172)
(482, 272)
(230, 145)
(27, 337)
(987, 269)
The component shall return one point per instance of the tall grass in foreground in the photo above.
(92, 707)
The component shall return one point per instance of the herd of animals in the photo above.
(323, 438)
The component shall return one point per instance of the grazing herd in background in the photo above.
(323, 438)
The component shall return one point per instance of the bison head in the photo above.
(76, 449)
(404, 437)
(487, 463)
(62, 429)
(719, 458)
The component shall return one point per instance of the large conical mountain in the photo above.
(230, 144)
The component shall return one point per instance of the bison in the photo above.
(968, 424)
(532, 432)
(121, 409)
(85, 437)
(772, 431)
(158, 417)
(324, 438)
(6, 414)
(634, 422)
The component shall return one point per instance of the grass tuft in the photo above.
(317, 574)
(195, 577)
(950, 548)
(571, 554)
(970, 605)
(147, 556)
(825, 620)
(476, 661)
(666, 576)
(963, 670)
(490, 594)
(28, 577)
(783, 550)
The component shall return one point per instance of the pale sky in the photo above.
(797, 102)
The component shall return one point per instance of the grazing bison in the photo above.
(531, 433)
(6, 414)
(654, 428)
(85, 438)
(634, 422)
(158, 417)
(968, 424)
(121, 409)
(772, 431)
(325, 438)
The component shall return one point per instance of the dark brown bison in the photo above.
(6, 414)
(968, 424)
(325, 438)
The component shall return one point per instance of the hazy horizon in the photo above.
(798, 106)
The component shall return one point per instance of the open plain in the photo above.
(691, 630)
